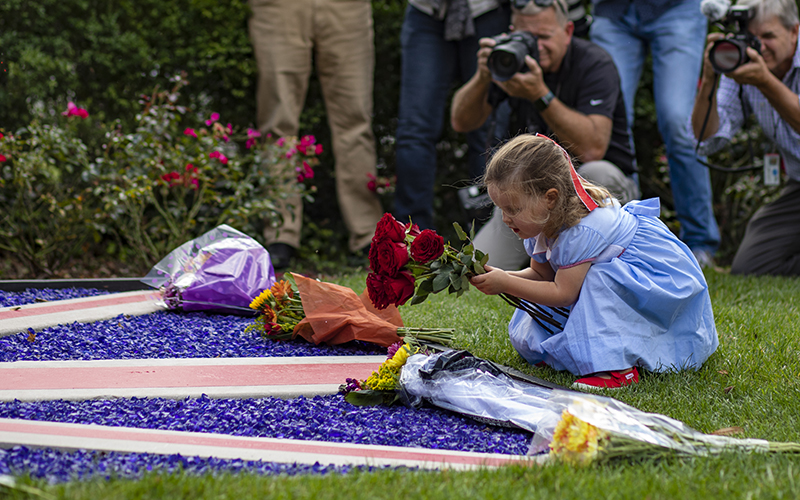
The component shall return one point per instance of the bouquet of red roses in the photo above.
(411, 264)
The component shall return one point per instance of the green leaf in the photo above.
(436, 264)
(460, 232)
(464, 283)
(425, 287)
(472, 230)
(418, 299)
(365, 397)
(455, 280)
(440, 282)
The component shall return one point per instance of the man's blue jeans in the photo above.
(676, 41)
(430, 67)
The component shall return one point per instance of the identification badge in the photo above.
(772, 169)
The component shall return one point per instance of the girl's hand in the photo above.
(491, 283)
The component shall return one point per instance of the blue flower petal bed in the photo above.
(33, 295)
(164, 335)
(322, 418)
(192, 335)
(57, 466)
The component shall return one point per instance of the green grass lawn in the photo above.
(750, 382)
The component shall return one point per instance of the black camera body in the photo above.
(728, 54)
(508, 55)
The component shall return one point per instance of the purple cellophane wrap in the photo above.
(222, 270)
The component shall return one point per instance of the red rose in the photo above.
(402, 287)
(387, 257)
(412, 230)
(389, 228)
(427, 246)
(377, 291)
(386, 290)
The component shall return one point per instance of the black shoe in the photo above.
(281, 255)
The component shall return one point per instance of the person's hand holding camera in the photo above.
(754, 72)
(486, 45)
(708, 68)
(526, 85)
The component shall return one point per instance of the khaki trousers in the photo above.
(339, 34)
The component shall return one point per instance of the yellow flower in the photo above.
(400, 357)
(260, 300)
(576, 441)
(385, 379)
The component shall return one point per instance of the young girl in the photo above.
(636, 295)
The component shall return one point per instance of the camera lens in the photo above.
(504, 63)
(726, 55)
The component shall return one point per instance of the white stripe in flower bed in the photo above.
(285, 377)
(41, 315)
(130, 440)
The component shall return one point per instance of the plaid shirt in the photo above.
(731, 118)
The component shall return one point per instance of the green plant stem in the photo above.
(442, 336)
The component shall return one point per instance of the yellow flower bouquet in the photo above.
(381, 386)
(600, 429)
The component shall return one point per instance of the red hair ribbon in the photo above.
(587, 200)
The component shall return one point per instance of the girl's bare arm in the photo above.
(561, 292)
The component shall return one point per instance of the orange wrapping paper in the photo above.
(335, 315)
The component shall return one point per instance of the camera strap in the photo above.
(746, 115)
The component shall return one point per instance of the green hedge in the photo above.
(105, 54)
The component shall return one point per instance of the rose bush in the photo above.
(174, 178)
(49, 213)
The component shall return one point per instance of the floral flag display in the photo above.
(221, 270)
(568, 426)
(409, 263)
(321, 312)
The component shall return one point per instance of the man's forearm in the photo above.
(585, 137)
(471, 107)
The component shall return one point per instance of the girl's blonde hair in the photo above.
(526, 167)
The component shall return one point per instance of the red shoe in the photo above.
(616, 381)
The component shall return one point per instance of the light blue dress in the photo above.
(644, 301)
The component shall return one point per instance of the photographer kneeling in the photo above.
(767, 84)
(569, 91)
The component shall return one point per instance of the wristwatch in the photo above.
(543, 102)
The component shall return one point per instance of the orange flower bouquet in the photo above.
(321, 312)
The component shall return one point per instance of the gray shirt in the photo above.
(476, 7)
